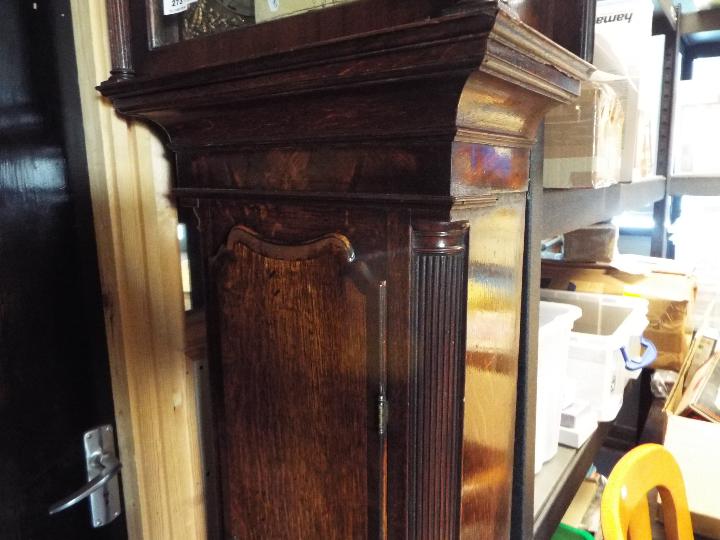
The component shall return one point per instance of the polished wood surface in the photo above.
(307, 363)
(438, 281)
(291, 384)
(297, 32)
(569, 23)
(495, 253)
(118, 14)
(402, 133)
(305, 30)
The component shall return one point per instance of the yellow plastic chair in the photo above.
(624, 511)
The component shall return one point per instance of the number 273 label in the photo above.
(170, 7)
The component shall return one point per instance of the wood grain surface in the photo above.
(285, 377)
(436, 404)
(401, 129)
(301, 374)
(495, 253)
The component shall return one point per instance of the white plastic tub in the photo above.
(556, 321)
(606, 346)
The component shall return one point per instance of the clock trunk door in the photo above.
(300, 332)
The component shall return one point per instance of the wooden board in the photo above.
(135, 226)
(295, 377)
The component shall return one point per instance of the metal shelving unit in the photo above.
(559, 480)
(565, 210)
(547, 495)
(694, 184)
(540, 501)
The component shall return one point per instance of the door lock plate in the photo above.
(99, 449)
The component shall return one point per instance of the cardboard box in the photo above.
(583, 513)
(694, 444)
(267, 10)
(636, 161)
(597, 243)
(670, 294)
(583, 140)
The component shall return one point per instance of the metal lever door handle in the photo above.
(110, 465)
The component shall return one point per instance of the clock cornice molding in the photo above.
(475, 77)
(485, 37)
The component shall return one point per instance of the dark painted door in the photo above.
(54, 378)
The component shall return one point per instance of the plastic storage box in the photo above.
(583, 140)
(606, 346)
(623, 46)
(556, 321)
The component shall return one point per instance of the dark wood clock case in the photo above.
(359, 174)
